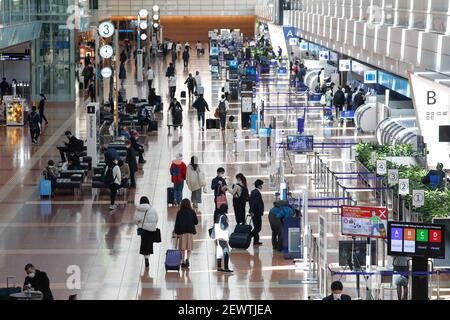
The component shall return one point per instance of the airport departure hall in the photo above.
(219, 150)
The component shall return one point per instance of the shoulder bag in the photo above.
(141, 231)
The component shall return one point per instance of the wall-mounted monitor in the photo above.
(300, 143)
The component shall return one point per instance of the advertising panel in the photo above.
(364, 221)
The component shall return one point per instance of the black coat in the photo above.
(73, 145)
(200, 105)
(343, 297)
(41, 283)
(185, 222)
(256, 203)
(339, 98)
(41, 106)
(131, 159)
(34, 120)
(215, 185)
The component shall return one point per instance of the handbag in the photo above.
(156, 236)
(217, 113)
(141, 231)
(211, 233)
(221, 200)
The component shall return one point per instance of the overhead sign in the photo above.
(370, 77)
(324, 55)
(345, 65)
(418, 199)
(289, 32)
(403, 186)
(392, 177)
(416, 240)
(381, 167)
(364, 221)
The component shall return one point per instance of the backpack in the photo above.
(108, 177)
(244, 196)
(175, 171)
(191, 82)
(222, 107)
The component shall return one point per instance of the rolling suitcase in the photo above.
(183, 94)
(159, 107)
(240, 240)
(45, 188)
(177, 117)
(153, 126)
(170, 196)
(212, 124)
(173, 258)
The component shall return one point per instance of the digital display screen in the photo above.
(300, 143)
(364, 221)
(416, 240)
(233, 64)
(444, 133)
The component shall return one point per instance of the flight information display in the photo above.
(416, 240)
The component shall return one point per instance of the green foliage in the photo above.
(437, 203)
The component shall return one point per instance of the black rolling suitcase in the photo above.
(153, 126)
(170, 196)
(183, 94)
(241, 237)
(159, 107)
(212, 124)
(177, 117)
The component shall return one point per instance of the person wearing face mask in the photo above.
(219, 185)
(336, 289)
(240, 198)
(38, 281)
(257, 211)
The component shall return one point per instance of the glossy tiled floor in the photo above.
(81, 232)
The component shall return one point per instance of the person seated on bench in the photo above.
(143, 117)
(125, 174)
(153, 99)
(126, 133)
(51, 173)
(74, 145)
(73, 162)
(139, 148)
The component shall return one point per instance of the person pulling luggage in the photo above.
(221, 236)
(201, 106)
(177, 112)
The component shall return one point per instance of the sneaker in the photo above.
(257, 243)
(142, 161)
(113, 207)
(228, 271)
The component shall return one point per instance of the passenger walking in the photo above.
(221, 235)
(122, 74)
(170, 70)
(198, 83)
(185, 223)
(150, 78)
(186, 57)
(174, 56)
(178, 49)
(113, 179)
(195, 180)
(339, 101)
(4, 88)
(172, 85)
(257, 211)
(92, 91)
(132, 163)
(226, 90)
(223, 110)
(176, 111)
(178, 173)
(190, 82)
(41, 108)
(219, 185)
(360, 99)
(199, 47)
(34, 122)
(201, 106)
(277, 214)
(240, 198)
(146, 219)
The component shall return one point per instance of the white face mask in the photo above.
(337, 296)
(32, 274)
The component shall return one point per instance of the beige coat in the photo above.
(195, 179)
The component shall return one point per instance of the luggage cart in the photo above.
(171, 124)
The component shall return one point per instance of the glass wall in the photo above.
(53, 68)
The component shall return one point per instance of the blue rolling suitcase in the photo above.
(45, 188)
(173, 259)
